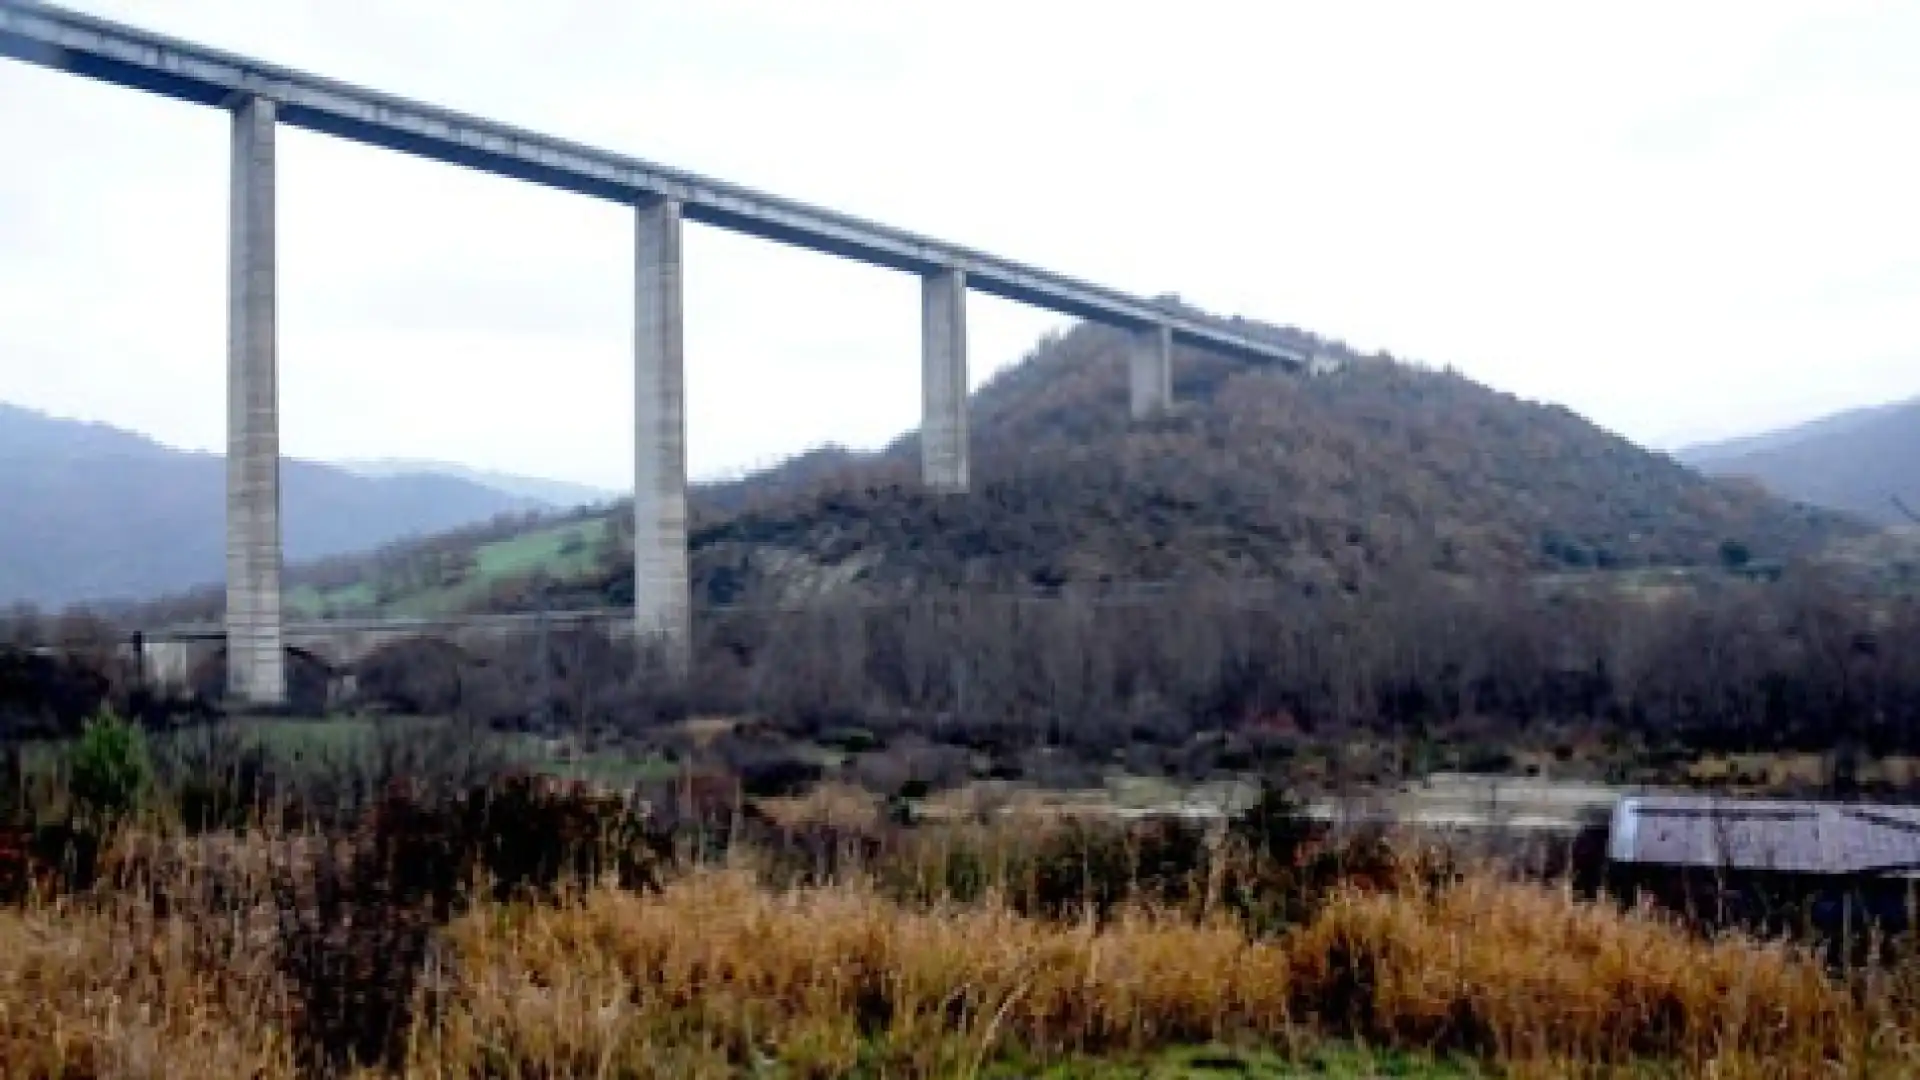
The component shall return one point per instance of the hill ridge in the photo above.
(565, 494)
(1858, 460)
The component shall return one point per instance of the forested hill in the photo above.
(1323, 479)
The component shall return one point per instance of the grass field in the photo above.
(343, 738)
(613, 766)
(564, 551)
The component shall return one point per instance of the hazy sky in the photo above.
(1681, 220)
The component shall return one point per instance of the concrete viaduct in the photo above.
(262, 96)
(169, 658)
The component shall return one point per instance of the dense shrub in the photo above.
(1090, 870)
(109, 773)
(354, 928)
(765, 766)
(218, 780)
(356, 924)
(914, 766)
(49, 695)
(420, 676)
(531, 834)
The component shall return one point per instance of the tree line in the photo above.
(1729, 665)
(1723, 665)
(1190, 678)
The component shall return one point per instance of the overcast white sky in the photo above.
(1681, 220)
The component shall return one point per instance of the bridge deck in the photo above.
(558, 620)
(56, 38)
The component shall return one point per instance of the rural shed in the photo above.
(1768, 863)
(1827, 839)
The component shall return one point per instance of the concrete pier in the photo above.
(943, 381)
(256, 662)
(1150, 376)
(662, 600)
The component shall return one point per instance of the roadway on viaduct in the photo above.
(261, 96)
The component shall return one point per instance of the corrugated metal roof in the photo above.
(1749, 834)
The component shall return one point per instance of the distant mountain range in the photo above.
(92, 512)
(1859, 461)
(557, 493)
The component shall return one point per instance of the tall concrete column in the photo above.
(943, 381)
(662, 598)
(256, 661)
(1150, 374)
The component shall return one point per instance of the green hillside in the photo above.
(444, 586)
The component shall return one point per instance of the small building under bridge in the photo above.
(1769, 865)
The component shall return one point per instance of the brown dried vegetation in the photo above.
(492, 934)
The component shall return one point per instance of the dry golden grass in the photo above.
(1527, 974)
(718, 971)
(724, 971)
(86, 994)
(834, 805)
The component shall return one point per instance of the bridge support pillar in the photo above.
(1150, 374)
(943, 381)
(662, 599)
(256, 661)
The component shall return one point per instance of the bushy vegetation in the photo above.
(108, 773)
(519, 927)
(940, 690)
(1225, 678)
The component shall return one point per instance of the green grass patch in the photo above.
(564, 552)
(342, 736)
(614, 769)
(324, 735)
(612, 766)
(542, 549)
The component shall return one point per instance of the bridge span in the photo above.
(169, 657)
(261, 96)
